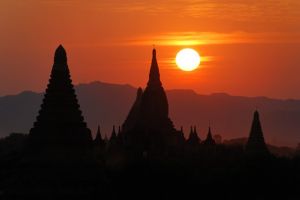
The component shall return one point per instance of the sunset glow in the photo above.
(228, 33)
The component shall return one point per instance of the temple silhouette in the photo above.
(256, 143)
(146, 157)
(147, 130)
(60, 126)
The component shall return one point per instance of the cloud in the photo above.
(206, 38)
(240, 10)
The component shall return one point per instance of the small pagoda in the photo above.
(256, 145)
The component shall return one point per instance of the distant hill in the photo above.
(108, 104)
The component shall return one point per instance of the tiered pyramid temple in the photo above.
(60, 124)
(256, 145)
(148, 126)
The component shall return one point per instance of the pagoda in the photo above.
(154, 108)
(113, 138)
(209, 138)
(60, 123)
(193, 138)
(148, 125)
(99, 141)
(256, 143)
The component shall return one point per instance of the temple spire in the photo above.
(209, 135)
(119, 130)
(148, 126)
(113, 141)
(113, 134)
(193, 137)
(98, 139)
(256, 142)
(60, 123)
(60, 57)
(98, 134)
(209, 138)
(154, 76)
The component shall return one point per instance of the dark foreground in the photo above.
(224, 173)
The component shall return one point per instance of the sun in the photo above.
(188, 59)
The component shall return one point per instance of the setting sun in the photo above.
(187, 59)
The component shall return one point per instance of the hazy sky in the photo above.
(248, 47)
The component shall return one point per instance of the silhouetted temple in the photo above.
(256, 143)
(98, 141)
(113, 138)
(145, 158)
(60, 124)
(148, 126)
(193, 138)
(209, 138)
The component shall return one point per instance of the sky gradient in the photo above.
(248, 47)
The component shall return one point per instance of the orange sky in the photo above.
(249, 48)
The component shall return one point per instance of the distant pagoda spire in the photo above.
(98, 141)
(181, 138)
(119, 130)
(113, 140)
(154, 76)
(209, 138)
(113, 136)
(193, 137)
(60, 121)
(196, 133)
(256, 143)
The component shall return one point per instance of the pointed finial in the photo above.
(154, 52)
(98, 135)
(98, 130)
(154, 76)
(113, 134)
(256, 115)
(60, 56)
(191, 130)
(209, 134)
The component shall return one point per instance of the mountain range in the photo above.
(108, 104)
